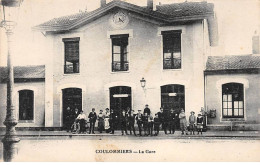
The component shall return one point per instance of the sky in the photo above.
(237, 22)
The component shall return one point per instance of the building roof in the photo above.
(166, 13)
(24, 73)
(233, 62)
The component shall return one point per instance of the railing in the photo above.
(71, 68)
(120, 66)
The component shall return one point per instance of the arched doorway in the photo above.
(120, 99)
(71, 97)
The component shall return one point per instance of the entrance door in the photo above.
(173, 96)
(120, 99)
(72, 98)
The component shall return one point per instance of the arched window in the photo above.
(26, 104)
(233, 100)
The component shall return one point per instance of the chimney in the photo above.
(102, 3)
(255, 44)
(150, 4)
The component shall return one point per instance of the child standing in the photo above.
(150, 125)
(199, 123)
(145, 124)
(192, 121)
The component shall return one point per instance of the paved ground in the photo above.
(114, 148)
(208, 134)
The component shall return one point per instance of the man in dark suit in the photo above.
(131, 121)
(138, 118)
(112, 120)
(92, 120)
(123, 120)
(172, 121)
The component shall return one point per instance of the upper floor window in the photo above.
(172, 49)
(233, 100)
(26, 104)
(71, 64)
(120, 57)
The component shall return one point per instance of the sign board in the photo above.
(172, 94)
(120, 95)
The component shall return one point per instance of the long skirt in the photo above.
(107, 123)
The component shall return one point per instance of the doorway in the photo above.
(72, 98)
(120, 99)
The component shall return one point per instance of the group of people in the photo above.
(146, 122)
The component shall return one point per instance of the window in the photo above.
(26, 104)
(171, 49)
(233, 100)
(120, 53)
(71, 55)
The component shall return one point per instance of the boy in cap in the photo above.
(192, 121)
(147, 110)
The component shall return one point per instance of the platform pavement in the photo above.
(208, 134)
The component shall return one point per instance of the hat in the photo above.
(192, 112)
(101, 110)
(107, 109)
(139, 110)
(146, 104)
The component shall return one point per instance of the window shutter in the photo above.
(72, 51)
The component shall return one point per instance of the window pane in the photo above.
(167, 55)
(235, 104)
(235, 112)
(224, 97)
(241, 112)
(117, 58)
(229, 104)
(224, 112)
(229, 112)
(177, 55)
(241, 104)
(116, 49)
(229, 97)
(225, 104)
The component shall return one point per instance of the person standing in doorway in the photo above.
(112, 120)
(131, 122)
(138, 118)
(147, 110)
(183, 122)
(68, 119)
(123, 121)
(92, 120)
(172, 121)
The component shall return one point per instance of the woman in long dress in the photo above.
(107, 115)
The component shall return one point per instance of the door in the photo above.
(173, 96)
(72, 98)
(120, 99)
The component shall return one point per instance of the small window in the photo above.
(120, 57)
(26, 105)
(172, 50)
(71, 55)
(233, 100)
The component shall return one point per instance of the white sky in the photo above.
(237, 20)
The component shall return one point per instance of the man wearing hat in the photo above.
(172, 121)
(112, 120)
(123, 120)
(139, 117)
(131, 121)
(192, 121)
(92, 120)
(147, 110)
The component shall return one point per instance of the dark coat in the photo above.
(92, 117)
(147, 110)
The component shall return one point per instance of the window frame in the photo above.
(174, 34)
(66, 41)
(122, 53)
(33, 105)
(233, 93)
